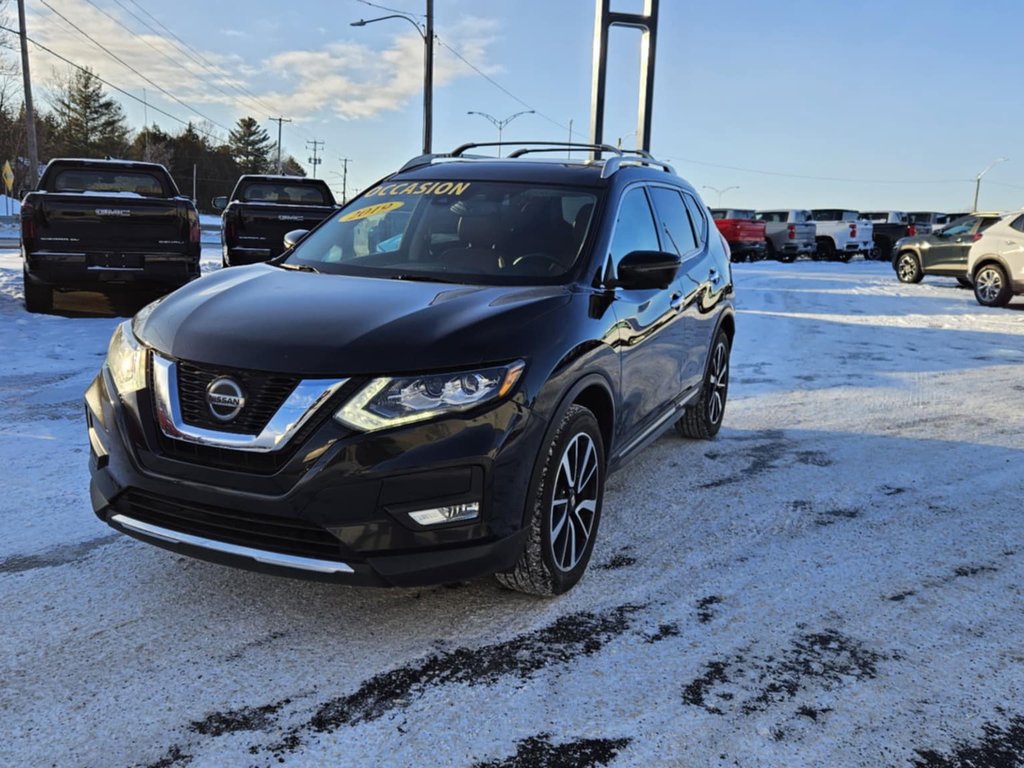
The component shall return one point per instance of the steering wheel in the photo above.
(553, 264)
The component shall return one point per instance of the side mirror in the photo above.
(292, 238)
(648, 269)
(219, 203)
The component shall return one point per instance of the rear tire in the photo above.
(563, 509)
(703, 419)
(38, 297)
(908, 268)
(826, 249)
(991, 288)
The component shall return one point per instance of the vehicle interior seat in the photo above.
(541, 229)
(477, 251)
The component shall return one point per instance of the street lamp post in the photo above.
(977, 179)
(500, 124)
(719, 191)
(426, 31)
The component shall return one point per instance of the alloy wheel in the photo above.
(908, 268)
(574, 503)
(988, 284)
(718, 383)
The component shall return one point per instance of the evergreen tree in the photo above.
(88, 122)
(290, 167)
(251, 146)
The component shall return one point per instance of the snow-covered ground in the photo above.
(835, 581)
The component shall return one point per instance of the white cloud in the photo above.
(340, 78)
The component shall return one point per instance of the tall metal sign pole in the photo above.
(428, 81)
(30, 115)
(647, 22)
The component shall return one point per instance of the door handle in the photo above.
(676, 301)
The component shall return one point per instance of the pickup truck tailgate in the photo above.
(73, 222)
(270, 221)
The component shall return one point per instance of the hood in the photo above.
(270, 319)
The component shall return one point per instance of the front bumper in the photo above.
(335, 507)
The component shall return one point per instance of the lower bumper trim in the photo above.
(259, 555)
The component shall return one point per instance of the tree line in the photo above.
(83, 120)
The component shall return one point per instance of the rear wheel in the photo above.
(564, 509)
(826, 249)
(703, 419)
(38, 297)
(908, 268)
(991, 288)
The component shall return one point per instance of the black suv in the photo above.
(432, 385)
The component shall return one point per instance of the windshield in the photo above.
(283, 192)
(96, 180)
(454, 231)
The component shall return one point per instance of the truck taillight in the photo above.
(912, 230)
(791, 231)
(28, 222)
(194, 234)
(853, 229)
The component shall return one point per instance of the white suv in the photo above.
(995, 262)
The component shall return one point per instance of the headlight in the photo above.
(387, 402)
(126, 360)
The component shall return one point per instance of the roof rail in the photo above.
(621, 157)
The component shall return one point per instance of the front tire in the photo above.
(908, 268)
(991, 288)
(703, 419)
(564, 509)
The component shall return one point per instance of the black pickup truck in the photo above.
(263, 209)
(887, 228)
(102, 224)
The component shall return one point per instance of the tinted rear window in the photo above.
(833, 214)
(101, 180)
(775, 217)
(283, 192)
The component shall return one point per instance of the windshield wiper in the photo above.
(421, 277)
(298, 267)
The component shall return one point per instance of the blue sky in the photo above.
(906, 98)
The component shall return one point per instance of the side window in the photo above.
(986, 223)
(1018, 224)
(675, 223)
(634, 226)
(700, 221)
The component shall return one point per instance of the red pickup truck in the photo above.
(744, 235)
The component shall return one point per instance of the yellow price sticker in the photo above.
(371, 210)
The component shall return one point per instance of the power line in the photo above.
(498, 85)
(109, 84)
(121, 61)
(194, 55)
(176, 63)
(392, 10)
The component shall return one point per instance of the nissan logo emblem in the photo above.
(224, 398)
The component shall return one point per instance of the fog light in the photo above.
(450, 514)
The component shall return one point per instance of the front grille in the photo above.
(285, 535)
(251, 461)
(264, 393)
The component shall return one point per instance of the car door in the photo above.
(650, 334)
(687, 238)
(949, 251)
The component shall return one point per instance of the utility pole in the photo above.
(279, 121)
(314, 160)
(344, 178)
(30, 115)
(977, 180)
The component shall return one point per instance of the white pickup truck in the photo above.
(842, 234)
